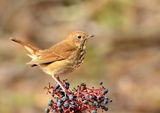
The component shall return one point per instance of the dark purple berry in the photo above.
(105, 101)
(64, 98)
(100, 99)
(83, 84)
(46, 110)
(90, 97)
(94, 97)
(72, 106)
(87, 96)
(85, 101)
(59, 100)
(59, 103)
(93, 111)
(67, 84)
(62, 93)
(50, 102)
(72, 102)
(95, 103)
(57, 87)
(105, 108)
(101, 83)
(105, 91)
(60, 109)
(71, 97)
(66, 104)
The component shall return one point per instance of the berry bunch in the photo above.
(78, 100)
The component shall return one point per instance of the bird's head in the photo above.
(78, 38)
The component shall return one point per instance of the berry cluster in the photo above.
(78, 100)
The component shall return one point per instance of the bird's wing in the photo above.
(56, 53)
(46, 58)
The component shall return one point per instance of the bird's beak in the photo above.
(90, 36)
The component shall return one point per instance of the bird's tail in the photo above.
(31, 49)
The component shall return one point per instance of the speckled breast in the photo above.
(78, 57)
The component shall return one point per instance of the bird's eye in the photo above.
(79, 37)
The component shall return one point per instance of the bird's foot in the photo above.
(63, 85)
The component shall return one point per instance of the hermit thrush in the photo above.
(62, 58)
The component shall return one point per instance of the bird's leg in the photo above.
(59, 82)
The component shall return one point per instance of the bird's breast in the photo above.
(77, 57)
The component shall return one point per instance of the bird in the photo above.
(61, 58)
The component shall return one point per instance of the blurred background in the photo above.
(125, 53)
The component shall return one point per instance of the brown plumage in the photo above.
(62, 58)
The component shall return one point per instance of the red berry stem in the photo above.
(78, 100)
